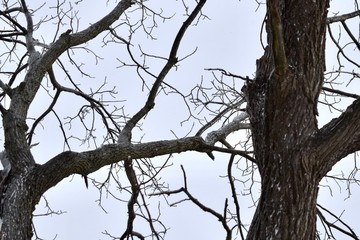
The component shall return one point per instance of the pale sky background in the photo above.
(230, 40)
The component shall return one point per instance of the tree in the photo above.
(279, 105)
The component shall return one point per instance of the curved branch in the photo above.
(97, 104)
(219, 116)
(125, 135)
(348, 31)
(4, 13)
(66, 41)
(340, 48)
(135, 190)
(43, 115)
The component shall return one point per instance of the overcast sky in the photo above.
(230, 40)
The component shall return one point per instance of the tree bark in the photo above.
(287, 207)
(282, 103)
(18, 206)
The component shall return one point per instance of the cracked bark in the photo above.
(282, 107)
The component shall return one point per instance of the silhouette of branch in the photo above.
(330, 225)
(125, 135)
(343, 17)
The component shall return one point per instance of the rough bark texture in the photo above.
(282, 106)
(293, 155)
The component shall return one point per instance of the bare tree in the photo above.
(277, 108)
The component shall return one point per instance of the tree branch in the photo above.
(236, 124)
(219, 116)
(83, 163)
(348, 232)
(125, 135)
(66, 41)
(338, 138)
(343, 17)
(234, 195)
(135, 190)
(342, 93)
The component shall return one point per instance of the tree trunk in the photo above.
(17, 186)
(287, 207)
(18, 206)
(282, 103)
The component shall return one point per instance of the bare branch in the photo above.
(342, 93)
(229, 74)
(135, 190)
(68, 163)
(236, 124)
(234, 195)
(344, 135)
(220, 217)
(343, 17)
(125, 135)
(349, 233)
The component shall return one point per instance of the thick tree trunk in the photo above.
(282, 103)
(287, 207)
(18, 206)
(283, 133)
(17, 186)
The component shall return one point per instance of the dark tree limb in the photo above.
(135, 190)
(125, 135)
(339, 138)
(343, 17)
(342, 93)
(83, 163)
(349, 233)
(234, 195)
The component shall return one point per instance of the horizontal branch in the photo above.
(229, 74)
(342, 93)
(67, 163)
(343, 17)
